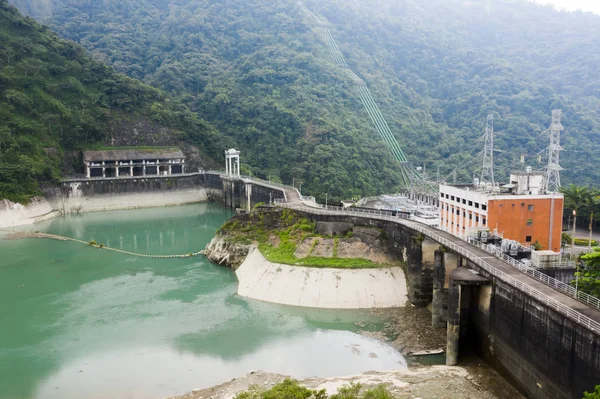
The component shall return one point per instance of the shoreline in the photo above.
(475, 381)
(41, 210)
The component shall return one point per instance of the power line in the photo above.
(412, 180)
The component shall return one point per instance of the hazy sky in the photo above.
(572, 5)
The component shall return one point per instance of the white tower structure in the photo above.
(232, 162)
(553, 169)
(487, 171)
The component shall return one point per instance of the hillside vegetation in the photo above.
(260, 73)
(54, 98)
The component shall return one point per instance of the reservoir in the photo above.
(81, 322)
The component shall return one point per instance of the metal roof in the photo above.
(133, 154)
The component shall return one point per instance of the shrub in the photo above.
(290, 389)
(593, 395)
(93, 243)
(585, 242)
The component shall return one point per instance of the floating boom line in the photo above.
(412, 180)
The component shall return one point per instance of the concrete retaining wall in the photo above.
(320, 287)
(562, 275)
(12, 214)
(112, 194)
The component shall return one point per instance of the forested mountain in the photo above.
(55, 98)
(261, 74)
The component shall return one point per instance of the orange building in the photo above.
(519, 211)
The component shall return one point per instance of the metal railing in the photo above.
(462, 250)
(530, 271)
(533, 272)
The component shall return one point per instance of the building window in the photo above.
(477, 219)
(458, 200)
(477, 205)
(464, 214)
(470, 203)
(458, 212)
(483, 221)
(528, 239)
(452, 197)
(464, 201)
(530, 207)
(470, 216)
(484, 207)
(529, 222)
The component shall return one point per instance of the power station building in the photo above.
(520, 211)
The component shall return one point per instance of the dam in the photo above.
(549, 351)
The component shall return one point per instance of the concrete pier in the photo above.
(439, 303)
(459, 298)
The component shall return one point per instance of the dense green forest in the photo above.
(54, 98)
(259, 72)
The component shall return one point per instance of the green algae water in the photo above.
(80, 322)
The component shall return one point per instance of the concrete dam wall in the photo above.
(540, 350)
(111, 194)
(545, 354)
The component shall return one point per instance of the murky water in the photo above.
(79, 322)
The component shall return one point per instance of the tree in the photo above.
(589, 277)
(593, 395)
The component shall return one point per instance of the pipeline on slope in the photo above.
(412, 179)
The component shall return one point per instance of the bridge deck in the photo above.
(501, 265)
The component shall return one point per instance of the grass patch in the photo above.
(290, 389)
(336, 241)
(292, 229)
(284, 253)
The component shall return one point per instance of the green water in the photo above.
(79, 322)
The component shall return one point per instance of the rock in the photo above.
(226, 253)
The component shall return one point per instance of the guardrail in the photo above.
(530, 271)
(461, 250)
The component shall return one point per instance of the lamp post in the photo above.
(326, 199)
(573, 238)
(590, 238)
(572, 250)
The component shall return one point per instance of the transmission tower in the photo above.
(487, 171)
(553, 169)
